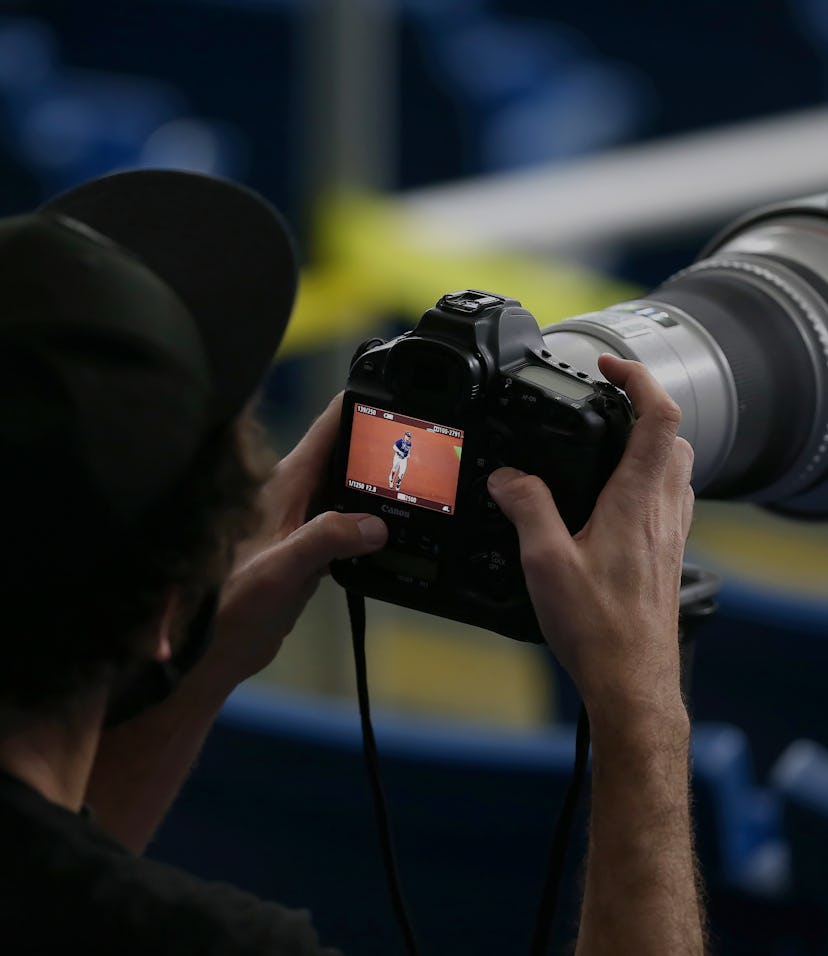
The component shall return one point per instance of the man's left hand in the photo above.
(278, 570)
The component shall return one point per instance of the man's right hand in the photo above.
(607, 597)
(607, 601)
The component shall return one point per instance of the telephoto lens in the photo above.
(740, 341)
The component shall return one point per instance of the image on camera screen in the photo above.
(403, 458)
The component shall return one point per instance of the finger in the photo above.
(680, 466)
(677, 487)
(317, 444)
(297, 479)
(527, 503)
(658, 418)
(679, 475)
(687, 511)
(331, 536)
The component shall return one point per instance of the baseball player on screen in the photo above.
(402, 449)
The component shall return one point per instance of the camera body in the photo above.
(474, 387)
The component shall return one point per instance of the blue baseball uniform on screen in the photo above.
(402, 449)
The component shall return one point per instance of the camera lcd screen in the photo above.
(406, 459)
(555, 381)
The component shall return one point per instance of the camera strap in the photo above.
(697, 601)
(563, 828)
(356, 612)
(560, 841)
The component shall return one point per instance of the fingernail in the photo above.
(503, 475)
(372, 530)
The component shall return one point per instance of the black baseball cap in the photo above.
(139, 313)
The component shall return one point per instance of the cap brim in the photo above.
(222, 248)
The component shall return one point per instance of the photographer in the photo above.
(135, 334)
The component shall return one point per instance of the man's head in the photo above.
(138, 315)
(407, 438)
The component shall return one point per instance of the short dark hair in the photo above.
(67, 632)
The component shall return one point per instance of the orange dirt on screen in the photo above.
(433, 464)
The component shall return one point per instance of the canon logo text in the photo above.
(399, 512)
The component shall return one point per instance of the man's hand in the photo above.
(278, 570)
(607, 601)
(607, 598)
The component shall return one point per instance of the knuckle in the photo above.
(683, 451)
(328, 529)
(339, 529)
(668, 411)
(685, 448)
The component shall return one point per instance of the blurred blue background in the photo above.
(381, 100)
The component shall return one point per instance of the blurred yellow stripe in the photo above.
(744, 541)
(369, 268)
(439, 668)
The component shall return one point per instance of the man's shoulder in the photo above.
(216, 916)
(65, 884)
(128, 904)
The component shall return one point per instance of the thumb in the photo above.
(331, 535)
(527, 503)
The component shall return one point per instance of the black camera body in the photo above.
(427, 417)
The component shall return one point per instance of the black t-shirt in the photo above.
(67, 886)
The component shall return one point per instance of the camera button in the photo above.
(495, 573)
(495, 446)
(490, 509)
(632, 329)
(483, 502)
(528, 400)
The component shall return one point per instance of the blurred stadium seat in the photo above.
(62, 125)
(800, 778)
(279, 803)
(739, 836)
(760, 664)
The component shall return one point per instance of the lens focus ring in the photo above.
(810, 470)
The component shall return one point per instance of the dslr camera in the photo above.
(739, 339)
(426, 418)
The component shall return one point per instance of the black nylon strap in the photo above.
(560, 841)
(356, 612)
